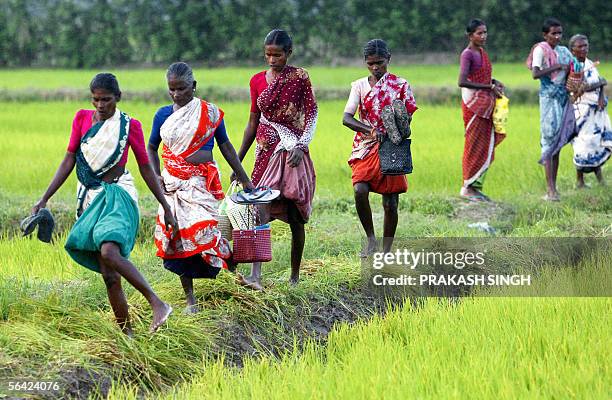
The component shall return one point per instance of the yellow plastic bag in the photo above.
(500, 114)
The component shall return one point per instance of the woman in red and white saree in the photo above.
(478, 92)
(370, 95)
(283, 120)
(193, 189)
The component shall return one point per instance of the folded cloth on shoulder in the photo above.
(44, 220)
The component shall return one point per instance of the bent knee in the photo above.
(361, 189)
(110, 253)
(294, 216)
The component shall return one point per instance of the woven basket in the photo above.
(225, 226)
(575, 85)
(252, 245)
(223, 222)
(241, 216)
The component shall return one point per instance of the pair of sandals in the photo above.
(396, 121)
(259, 195)
(44, 220)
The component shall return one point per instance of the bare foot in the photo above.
(371, 249)
(249, 282)
(126, 327)
(160, 316)
(191, 309)
(127, 330)
(551, 197)
(581, 185)
(468, 191)
(190, 300)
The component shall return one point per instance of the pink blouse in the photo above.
(258, 84)
(83, 120)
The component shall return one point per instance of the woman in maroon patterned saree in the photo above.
(283, 120)
(478, 92)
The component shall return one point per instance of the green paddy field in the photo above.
(436, 75)
(321, 339)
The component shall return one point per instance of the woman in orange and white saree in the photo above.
(188, 128)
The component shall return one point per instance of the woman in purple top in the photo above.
(478, 93)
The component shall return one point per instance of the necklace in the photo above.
(271, 76)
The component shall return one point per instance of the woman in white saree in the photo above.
(593, 145)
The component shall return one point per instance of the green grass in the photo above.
(513, 75)
(437, 149)
(423, 346)
(479, 349)
(55, 317)
(33, 148)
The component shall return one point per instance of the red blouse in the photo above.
(83, 120)
(258, 84)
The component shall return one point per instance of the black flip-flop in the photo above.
(29, 223)
(45, 226)
(44, 220)
(402, 118)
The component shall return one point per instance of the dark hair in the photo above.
(376, 47)
(106, 81)
(473, 25)
(279, 37)
(181, 71)
(549, 23)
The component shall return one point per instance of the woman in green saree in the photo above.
(107, 202)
